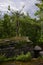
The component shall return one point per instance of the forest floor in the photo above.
(32, 62)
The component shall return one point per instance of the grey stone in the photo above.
(37, 48)
(41, 53)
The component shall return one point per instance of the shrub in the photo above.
(20, 57)
(23, 57)
(28, 56)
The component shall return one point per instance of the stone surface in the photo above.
(37, 48)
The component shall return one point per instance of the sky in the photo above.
(18, 4)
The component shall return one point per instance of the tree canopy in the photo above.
(40, 16)
(19, 24)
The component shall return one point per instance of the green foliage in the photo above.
(10, 59)
(41, 57)
(20, 57)
(28, 56)
(23, 57)
(40, 16)
(2, 58)
(19, 25)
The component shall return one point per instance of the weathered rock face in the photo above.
(14, 49)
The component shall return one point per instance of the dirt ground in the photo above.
(33, 62)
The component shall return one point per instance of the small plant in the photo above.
(23, 57)
(28, 56)
(20, 57)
